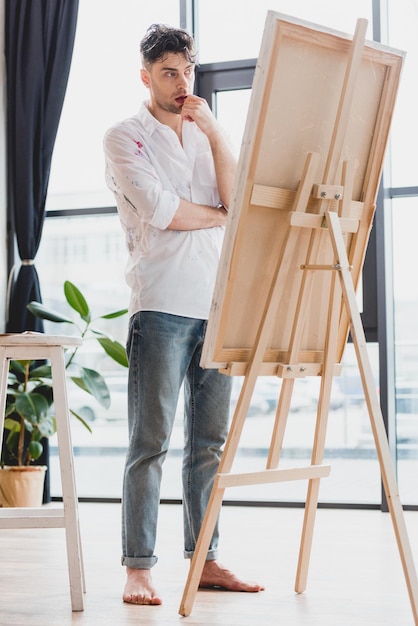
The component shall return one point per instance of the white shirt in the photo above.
(148, 171)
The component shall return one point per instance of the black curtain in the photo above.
(39, 40)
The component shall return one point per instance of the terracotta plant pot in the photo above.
(22, 486)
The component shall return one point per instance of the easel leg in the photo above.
(280, 423)
(375, 414)
(307, 535)
(320, 436)
(202, 546)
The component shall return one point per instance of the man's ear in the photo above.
(145, 77)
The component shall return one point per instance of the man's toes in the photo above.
(141, 599)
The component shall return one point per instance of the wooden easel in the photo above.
(313, 274)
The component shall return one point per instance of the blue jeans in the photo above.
(164, 351)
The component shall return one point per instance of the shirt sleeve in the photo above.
(132, 178)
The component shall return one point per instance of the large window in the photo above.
(405, 216)
(81, 242)
(236, 33)
(403, 183)
(83, 237)
(104, 87)
(402, 21)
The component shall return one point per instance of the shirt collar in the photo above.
(149, 122)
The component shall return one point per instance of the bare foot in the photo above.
(139, 588)
(214, 575)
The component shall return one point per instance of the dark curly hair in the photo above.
(161, 39)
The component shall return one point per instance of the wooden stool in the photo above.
(28, 346)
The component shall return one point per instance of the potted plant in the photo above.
(29, 417)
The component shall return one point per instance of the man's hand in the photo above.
(197, 110)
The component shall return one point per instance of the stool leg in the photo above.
(72, 526)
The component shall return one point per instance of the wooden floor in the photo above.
(355, 575)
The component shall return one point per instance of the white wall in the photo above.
(3, 245)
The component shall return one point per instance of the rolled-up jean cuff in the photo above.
(212, 555)
(139, 562)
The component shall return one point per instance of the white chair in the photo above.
(31, 345)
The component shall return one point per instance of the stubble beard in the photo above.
(169, 107)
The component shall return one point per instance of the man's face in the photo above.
(170, 80)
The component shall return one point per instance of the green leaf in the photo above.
(12, 440)
(35, 449)
(17, 371)
(43, 371)
(92, 382)
(115, 350)
(100, 333)
(110, 316)
(12, 425)
(80, 419)
(44, 390)
(48, 427)
(77, 301)
(18, 366)
(39, 310)
(28, 426)
(80, 383)
(11, 380)
(11, 408)
(33, 407)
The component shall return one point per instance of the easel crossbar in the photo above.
(272, 476)
(283, 199)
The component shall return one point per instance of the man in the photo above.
(172, 173)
